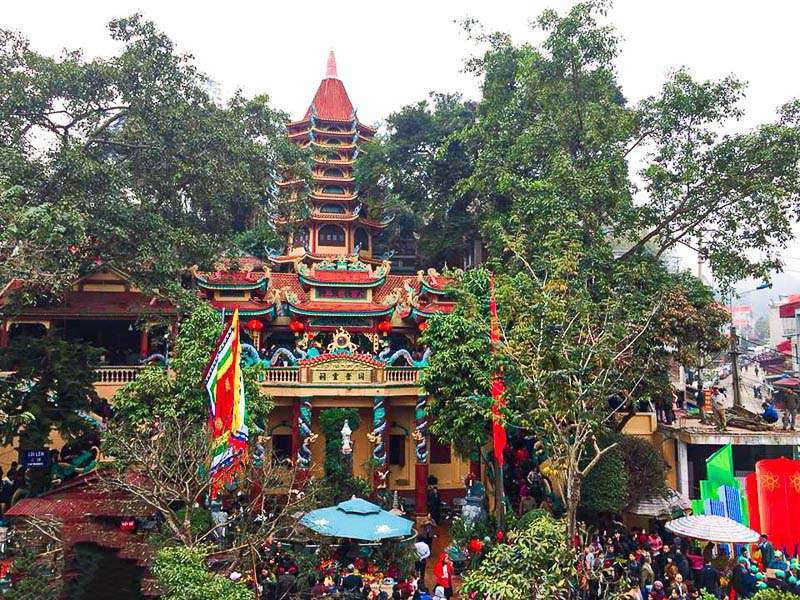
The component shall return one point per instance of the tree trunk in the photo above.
(571, 501)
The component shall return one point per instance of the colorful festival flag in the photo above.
(227, 406)
(499, 436)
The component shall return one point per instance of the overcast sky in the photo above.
(394, 53)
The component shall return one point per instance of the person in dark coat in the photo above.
(286, 588)
(708, 579)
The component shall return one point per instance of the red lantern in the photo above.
(296, 326)
(128, 525)
(521, 455)
(254, 325)
(475, 546)
(500, 536)
(422, 326)
(384, 327)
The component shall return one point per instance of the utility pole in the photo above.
(734, 352)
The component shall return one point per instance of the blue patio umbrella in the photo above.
(357, 519)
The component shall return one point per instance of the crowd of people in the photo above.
(659, 566)
(349, 575)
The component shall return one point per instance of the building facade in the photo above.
(332, 324)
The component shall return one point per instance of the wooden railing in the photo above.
(401, 375)
(115, 375)
(275, 375)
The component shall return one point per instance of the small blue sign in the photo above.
(35, 458)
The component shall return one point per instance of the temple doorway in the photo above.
(97, 573)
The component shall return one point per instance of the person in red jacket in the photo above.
(443, 571)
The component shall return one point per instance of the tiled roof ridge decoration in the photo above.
(361, 357)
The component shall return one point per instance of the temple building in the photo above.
(331, 322)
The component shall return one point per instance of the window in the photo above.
(397, 450)
(440, 452)
(281, 446)
(333, 189)
(362, 238)
(335, 209)
(332, 142)
(331, 235)
(333, 173)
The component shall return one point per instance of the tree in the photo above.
(161, 464)
(127, 159)
(555, 134)
(459, 375)
(51, 389)
(183, 574)
(537, 562)
(414, 170)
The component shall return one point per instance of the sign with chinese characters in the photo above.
(341, 372)
(35, 458)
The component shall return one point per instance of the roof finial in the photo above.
(330, 71)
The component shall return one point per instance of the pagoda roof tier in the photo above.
(435, 284)
(332, 217)
(333, 197)
(347, 134)
(373, 224)
(343, 272)
(333, 161)
(305, 124)
(303, 254)
(332, 180)
(432, 308)
(247, 308)
(231, 280)
(292, 182)
(324, 308)
(333, 146)
(342, 279)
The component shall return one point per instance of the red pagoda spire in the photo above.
(338, 223)
(330, 71)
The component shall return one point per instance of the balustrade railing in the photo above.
(116, 375)
(401, 375)
(281, 375)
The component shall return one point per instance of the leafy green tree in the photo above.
(556, 136)
(605, 488)
(459, 375)
(537, 562)
(183, 574)
(414, 170)
(51, 389)
(128, 159)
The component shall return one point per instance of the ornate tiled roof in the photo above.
(249, 308)
(324, 308)
(322, 358)
(102, 305)
(241, 280)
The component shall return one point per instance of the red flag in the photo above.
(499, 436)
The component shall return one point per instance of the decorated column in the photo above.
(421, 451)
(378, 436)
(4, 325)
(144, 340)
(305, 436)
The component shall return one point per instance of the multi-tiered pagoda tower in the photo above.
(338, 222)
